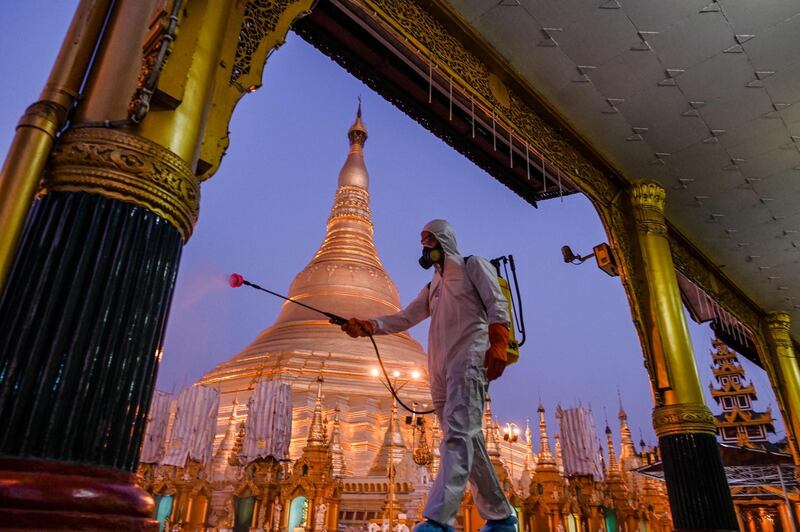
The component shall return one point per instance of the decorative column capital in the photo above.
(778, 322)
(648, 195)
(778, 328)
(648, 198)
(128, 168)
(683, 418)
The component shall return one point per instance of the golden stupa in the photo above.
(345, 277)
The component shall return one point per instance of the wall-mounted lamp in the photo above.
(602, 254)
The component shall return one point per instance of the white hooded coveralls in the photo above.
(461, 300)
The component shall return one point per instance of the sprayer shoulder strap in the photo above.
(470, 281)
(466, 271)
(465, 268)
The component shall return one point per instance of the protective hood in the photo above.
(444, 233)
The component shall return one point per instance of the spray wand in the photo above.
(237, 280)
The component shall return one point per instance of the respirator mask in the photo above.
(430, 256)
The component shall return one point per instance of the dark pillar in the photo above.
(81, 326)
(82, 321)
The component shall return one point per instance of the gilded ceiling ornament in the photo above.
(260, 19)
(499, 91)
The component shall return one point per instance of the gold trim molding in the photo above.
(683, 418)
(129, 168)
(260, 18)
(254, 29)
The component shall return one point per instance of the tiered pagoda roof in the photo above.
(738, 423)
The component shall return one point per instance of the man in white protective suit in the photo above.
(467, 343)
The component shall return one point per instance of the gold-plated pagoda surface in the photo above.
(345, 276)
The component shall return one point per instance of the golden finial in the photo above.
(358, 131)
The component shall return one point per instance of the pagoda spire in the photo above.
(643, 448)
(530, 457)
(316, 431)
(350, 230)
(354, 171)
(612, 467)
(345, 273)
(628, 449)
(559, 456)
(335, 445)
(545, 454)
(490, 435)
(393, 448)
(224, 453)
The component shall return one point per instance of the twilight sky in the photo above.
(263, 215)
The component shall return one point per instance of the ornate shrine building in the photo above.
(760, 472)
(739, 423)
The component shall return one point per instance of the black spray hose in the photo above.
(389, 382)
(237, 280)
(520, 318)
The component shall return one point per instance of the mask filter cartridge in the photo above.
(430, 256)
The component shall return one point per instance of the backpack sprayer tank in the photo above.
(514, 310)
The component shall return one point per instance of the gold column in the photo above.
(180, 129)
(38, 127)
(786, 379)
(151, 165)
(683, 409)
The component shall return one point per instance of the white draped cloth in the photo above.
(195, 426)
(579, 442)
(268, 429)
(156, 429)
